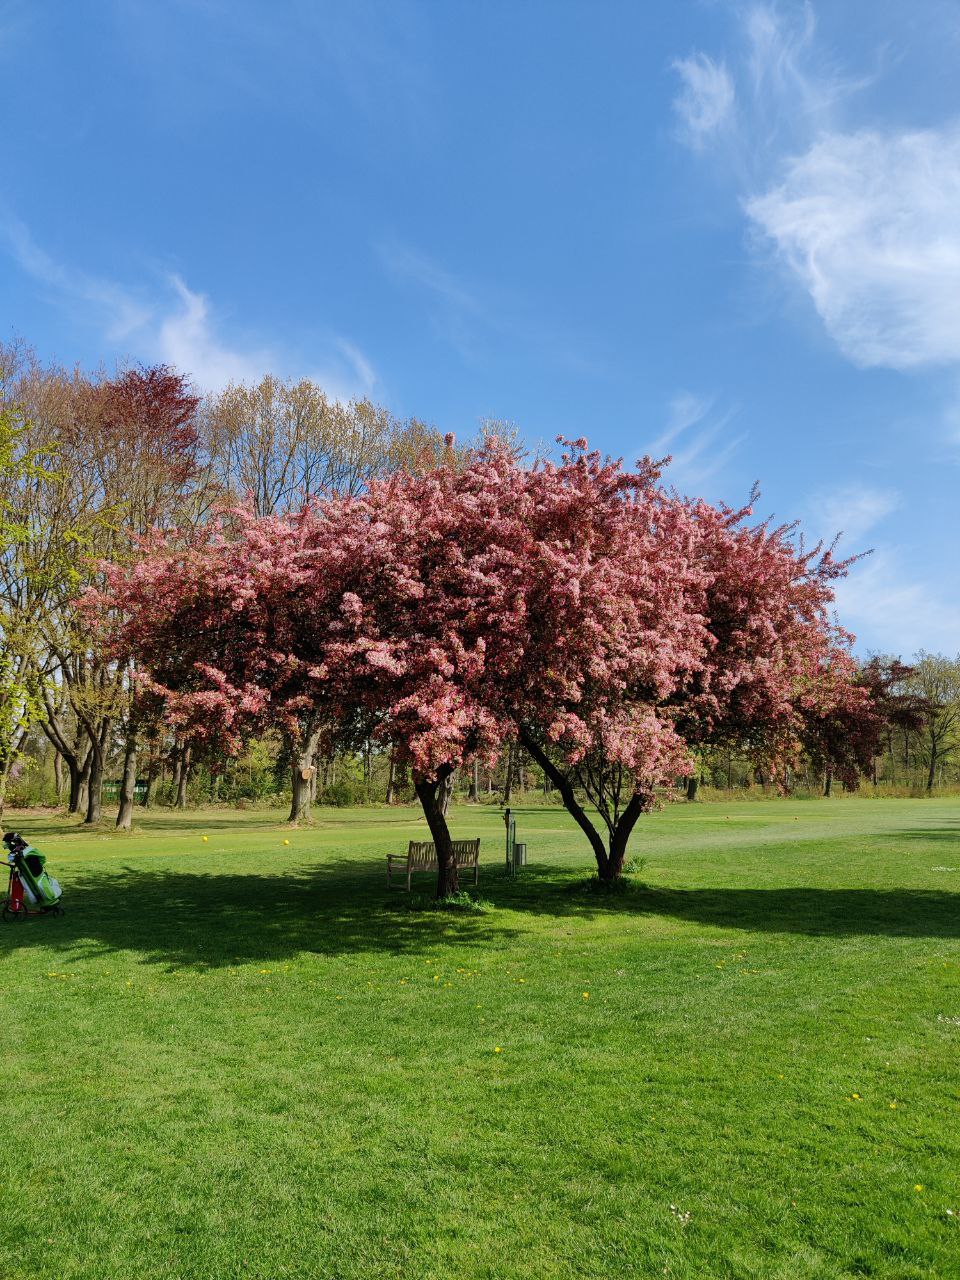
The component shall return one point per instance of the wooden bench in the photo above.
(422, 856)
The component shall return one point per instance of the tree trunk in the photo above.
(151, 777)
(693, 783)
(827, 781)
(446, 793)
(475, 782)
(128, 783)
(98, 748)
(184, 778)
(58, 775)
(176, 772)
(620, 837)
(508, 784)
(78, 799)
(75, 771)
(302, 762)
(429, 793)
(391, 778)
(931, 772)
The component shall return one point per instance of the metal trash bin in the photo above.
(520, 854)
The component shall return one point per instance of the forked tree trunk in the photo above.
(128, 782)
(609, 860)
(429, 793)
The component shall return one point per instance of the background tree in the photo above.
(935, 680)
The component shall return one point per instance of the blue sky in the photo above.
(726, 231)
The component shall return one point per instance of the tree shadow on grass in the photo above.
(188, 919)
(815, 912)
(947, 835)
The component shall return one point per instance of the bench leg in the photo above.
(409, 874)
(476, 873)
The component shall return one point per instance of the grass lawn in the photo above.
(242, 1058)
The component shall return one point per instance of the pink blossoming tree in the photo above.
(605, 622)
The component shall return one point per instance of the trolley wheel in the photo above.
(14, 917)
(58, 911)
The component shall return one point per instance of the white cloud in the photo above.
(864, 219)
(868, 222)
(853, 510)
(793, 85)
(185, 338)
(177, 326)
(892, 611)
(685, 410)
(705, 103)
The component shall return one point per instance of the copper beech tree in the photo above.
(604, 621)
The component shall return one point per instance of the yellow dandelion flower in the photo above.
(204, 839)
(893, 1106)
(497, 1049)
(918, 1186)
(586, 995)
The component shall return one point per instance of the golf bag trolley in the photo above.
(32, 891)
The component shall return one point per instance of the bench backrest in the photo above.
(422, 854)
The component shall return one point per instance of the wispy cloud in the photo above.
(863, 219)
(851, 510)
(116, 309)
(705, 103)
(186, 338)
(407, 263)
(868, 223)
(174, 324)
(471, 318)
(893, 611)
(697, 438)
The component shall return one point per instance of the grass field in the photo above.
(242, 1058)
